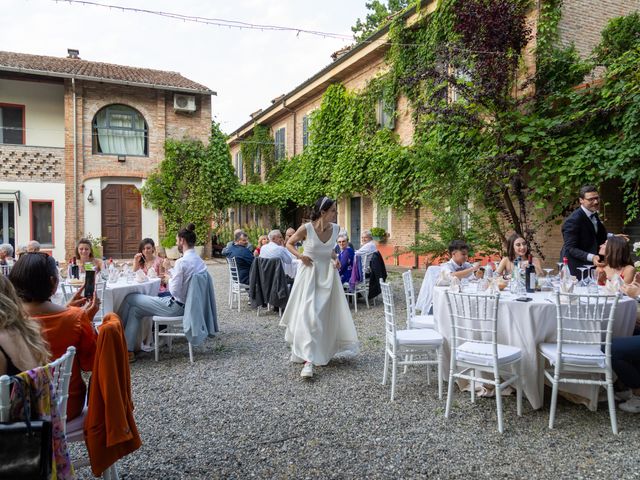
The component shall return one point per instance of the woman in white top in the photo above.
(317, 317)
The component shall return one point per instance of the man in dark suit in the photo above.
(583, 232)
(244, 258)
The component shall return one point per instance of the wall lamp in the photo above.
(90, 197)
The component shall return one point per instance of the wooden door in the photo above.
(121, 220)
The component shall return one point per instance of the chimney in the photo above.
(73, 53)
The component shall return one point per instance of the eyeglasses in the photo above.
(592, 199)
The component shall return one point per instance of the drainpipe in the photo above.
(416, 259)
(75, 157)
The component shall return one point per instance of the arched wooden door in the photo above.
(121, 220)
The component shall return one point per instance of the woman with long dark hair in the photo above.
(517, 251)
(317, 317)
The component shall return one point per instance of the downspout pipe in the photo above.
(75, 158)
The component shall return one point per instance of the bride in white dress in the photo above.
(317, 317)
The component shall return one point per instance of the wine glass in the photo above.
(547, 285)
(587, 280)
(582, 269)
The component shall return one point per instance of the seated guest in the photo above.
(244, 258)
(6, 254)
(146, 258)
(136, 306)
(21, 250)
(84, 254)
(275, 248)
(262, 240)
(617, 260)
(230, 244)
(625, 360)
(216, 246)
(345, 255)
(21, 345)
(290, 231)
(458, 266)
(33, 246)
(35, 278)
(368, 245)
(517, 251)
(343, 233)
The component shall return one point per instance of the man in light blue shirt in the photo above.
(136, 306)
(275, 248)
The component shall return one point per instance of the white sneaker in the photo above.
(623, 395)
(307, 370)
(632, 405)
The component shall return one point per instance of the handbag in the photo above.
(26, 450)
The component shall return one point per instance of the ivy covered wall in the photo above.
(488, 156)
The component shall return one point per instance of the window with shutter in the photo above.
(280, 144)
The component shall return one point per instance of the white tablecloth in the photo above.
(525, 325)
(290, 269)
(115, 293)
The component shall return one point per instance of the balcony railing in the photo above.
(21, 163)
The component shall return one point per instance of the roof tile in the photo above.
(98, 71)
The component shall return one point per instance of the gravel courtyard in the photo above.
(242, 410)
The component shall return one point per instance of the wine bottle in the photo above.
(530, 276)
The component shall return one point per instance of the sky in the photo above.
(247, 68)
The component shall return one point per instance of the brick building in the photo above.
(581, 23)
(77, 140)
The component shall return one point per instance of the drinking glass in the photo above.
(582, 283)
(587, 280)
(546, 285)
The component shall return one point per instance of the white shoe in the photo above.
(623, 395)
(307, 370)
(632, 405)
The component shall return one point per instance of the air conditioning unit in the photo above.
(184, 103)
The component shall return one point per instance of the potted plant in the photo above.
(170, 247)
(378, 233)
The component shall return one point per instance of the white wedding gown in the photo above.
(317, 317)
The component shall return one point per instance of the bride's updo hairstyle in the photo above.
(189, 234)
(322, 205)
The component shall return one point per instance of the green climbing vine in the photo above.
(493, 150)
(258, 153)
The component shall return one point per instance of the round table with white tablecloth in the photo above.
(115, 293)
(525, 325)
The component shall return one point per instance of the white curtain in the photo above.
(120, 140)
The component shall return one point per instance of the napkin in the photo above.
(454, 283)
(566, 286)
(444, 279)
(140, 276)
(151, 273)
(613, 285)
